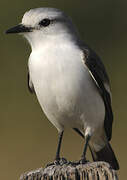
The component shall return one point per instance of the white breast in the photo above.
(64, 87)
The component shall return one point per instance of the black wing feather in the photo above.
(30, 85)
(98, 71)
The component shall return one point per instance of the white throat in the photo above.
(38, 39)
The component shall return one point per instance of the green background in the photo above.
(27, 139)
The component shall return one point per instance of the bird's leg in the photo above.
(83, 157)
(57, 158)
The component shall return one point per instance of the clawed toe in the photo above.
(60, 161)
(83, 161)
(50, 164)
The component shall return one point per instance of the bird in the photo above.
(69, 81)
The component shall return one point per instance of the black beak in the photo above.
(19, 29)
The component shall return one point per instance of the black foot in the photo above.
(60, 162)
(83, 161)
(76, 163)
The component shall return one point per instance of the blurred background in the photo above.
(27, 139)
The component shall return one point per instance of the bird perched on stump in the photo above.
(69, 80)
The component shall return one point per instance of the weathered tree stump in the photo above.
(70, 171)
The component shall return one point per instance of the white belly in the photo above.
(65, 90)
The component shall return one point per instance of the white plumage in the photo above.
(64, 87)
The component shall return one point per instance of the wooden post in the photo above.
(69, 171)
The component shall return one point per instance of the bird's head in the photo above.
(41, 23)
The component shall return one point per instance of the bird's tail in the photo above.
(105, 154)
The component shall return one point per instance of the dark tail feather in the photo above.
(106, 154)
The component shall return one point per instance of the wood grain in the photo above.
(73, 171)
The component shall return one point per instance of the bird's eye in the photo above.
(44, 22)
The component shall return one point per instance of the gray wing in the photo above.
(100, 77)
(30, 84)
